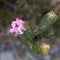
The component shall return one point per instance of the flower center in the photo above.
(14, 33)
(16, 25)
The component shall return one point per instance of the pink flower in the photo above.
(17, 27)
(19, 21)
(14, 31)
(14, 23)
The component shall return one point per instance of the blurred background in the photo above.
(27, 9)
(32, 11)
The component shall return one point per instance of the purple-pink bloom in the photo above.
(14, 24)
(20, 21)
(17, 27)
(14, 31)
